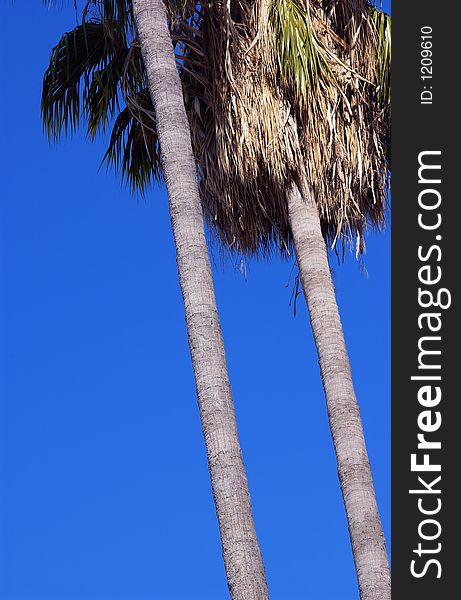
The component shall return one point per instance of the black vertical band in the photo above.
(426, 352)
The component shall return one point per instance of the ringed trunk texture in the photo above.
(365, 529)
(242, 556)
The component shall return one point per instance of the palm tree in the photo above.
(360, 159)
(97, 55)
(355, 477)
(288, 106)
(294, 149)
(300, 148)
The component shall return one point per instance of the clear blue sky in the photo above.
(104, 485)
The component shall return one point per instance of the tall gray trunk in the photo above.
(365, 529)
(241, 553)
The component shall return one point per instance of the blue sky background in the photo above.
(104, 489)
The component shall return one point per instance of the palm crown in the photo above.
(275, 91)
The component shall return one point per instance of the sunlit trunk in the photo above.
(241, 552)
(355, 478)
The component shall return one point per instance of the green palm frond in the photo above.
(301, 59)
(82, 61)
(102, 96)
(134, 148)
(96, 76)
(382, 27)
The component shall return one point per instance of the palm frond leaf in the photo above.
(80, 59)
(301, 59)
(134, 148)
(382, 27)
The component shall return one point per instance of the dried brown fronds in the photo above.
(275, 90)
(289, 89)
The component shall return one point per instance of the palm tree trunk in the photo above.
(365, 529)
(241, 552)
